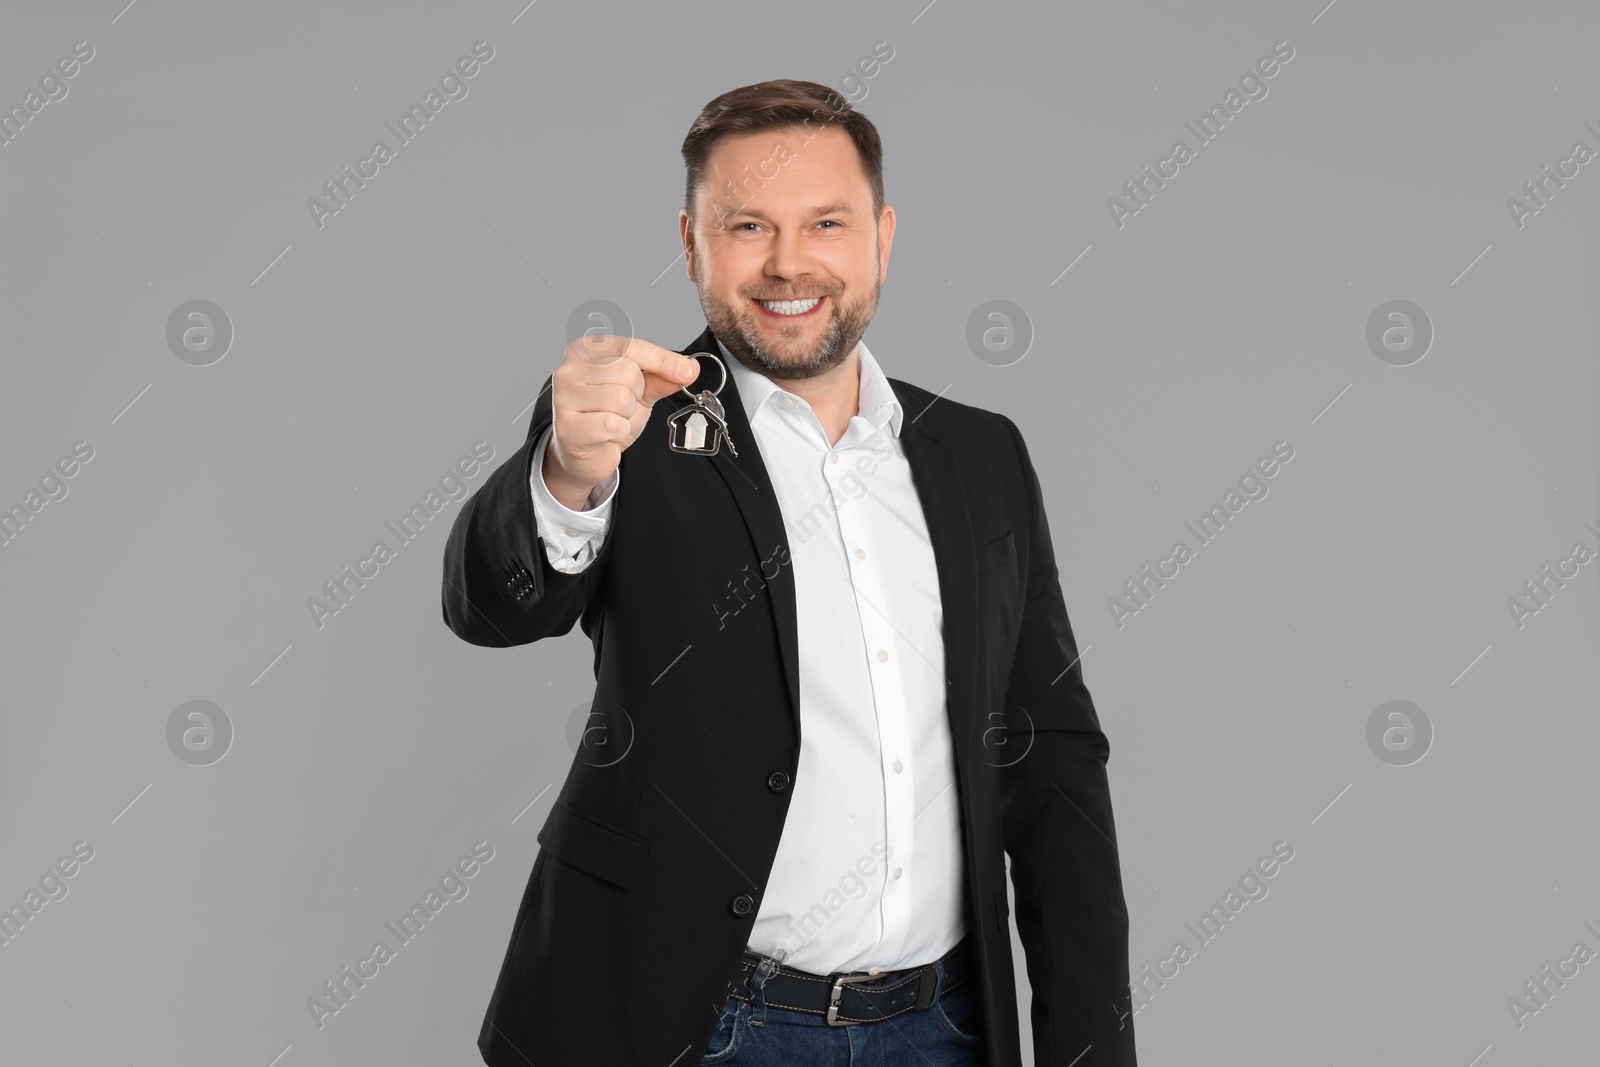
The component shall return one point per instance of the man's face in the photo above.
(787, 215)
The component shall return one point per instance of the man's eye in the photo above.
(829, 222)
(742, 225)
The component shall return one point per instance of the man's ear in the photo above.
(686, 235)
(886, 224)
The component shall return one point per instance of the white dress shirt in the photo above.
(869, 869)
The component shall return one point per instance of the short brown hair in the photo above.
(781, 104)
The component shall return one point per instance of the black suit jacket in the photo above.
(653, 865)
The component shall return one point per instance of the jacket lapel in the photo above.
(936, 475)
(935, 472)
(752, 490)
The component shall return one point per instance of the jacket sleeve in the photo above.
(499, 588)
(1057, 827)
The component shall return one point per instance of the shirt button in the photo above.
(571, 532)
(788, 403)
(882, 656)
(833, 457)
(861, 553)
(898, 766)
(897, 872)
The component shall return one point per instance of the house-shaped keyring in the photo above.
(690, 430)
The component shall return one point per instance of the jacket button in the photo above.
(777, 781)
(742, 905)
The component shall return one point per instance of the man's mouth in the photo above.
(790, 309)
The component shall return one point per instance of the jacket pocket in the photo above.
(997, 552)
(589, 845)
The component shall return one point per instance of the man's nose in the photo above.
(790, 256)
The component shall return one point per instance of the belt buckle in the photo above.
(927, 981)
(838, 991)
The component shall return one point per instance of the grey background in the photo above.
(369, 354)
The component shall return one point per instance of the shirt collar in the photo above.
(877, 399)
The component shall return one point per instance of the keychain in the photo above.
(700, 429)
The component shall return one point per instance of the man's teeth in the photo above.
(790, 307)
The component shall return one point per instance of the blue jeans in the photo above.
(947, 1033)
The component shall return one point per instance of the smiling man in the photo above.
(784, 838)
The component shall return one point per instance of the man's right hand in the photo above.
(601, 394)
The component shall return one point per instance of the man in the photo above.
(834, 672)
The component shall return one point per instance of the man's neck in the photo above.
(835, 396)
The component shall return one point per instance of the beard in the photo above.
(791, 356)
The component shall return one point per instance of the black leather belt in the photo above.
(845, 998)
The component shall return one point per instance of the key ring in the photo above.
(696, 355)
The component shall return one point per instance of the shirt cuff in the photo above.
(572, 539)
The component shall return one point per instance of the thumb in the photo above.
(657, 385)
